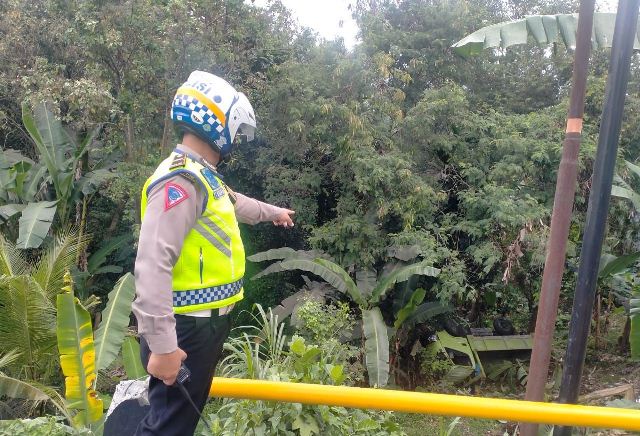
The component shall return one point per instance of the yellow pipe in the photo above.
(434, 404)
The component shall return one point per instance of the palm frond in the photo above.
(8, 358)
(12, 261)
(27, 324)
(58, 258)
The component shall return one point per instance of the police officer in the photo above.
(190, 264)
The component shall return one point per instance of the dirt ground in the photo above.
(606, 367)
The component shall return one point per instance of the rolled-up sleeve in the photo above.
(162, 235)
(252, 211)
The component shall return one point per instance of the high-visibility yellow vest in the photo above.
(210, 268)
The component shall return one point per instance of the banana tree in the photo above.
(368, 290)
(39, 191)
(624, 189)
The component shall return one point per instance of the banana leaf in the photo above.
(416, 298)
(77, 357)
(366, 280)
(131, 358)
(426, 311)
(627, 193)
(376, 347)
(400, 276)
(273, 254)
(315, 267)
(35, 223)
(99, 257)
(13, 388)
(115, 319)
(611, 265)
(51, 141)
(349, 287)
(635, 169)
(9, 210)
(543, 29)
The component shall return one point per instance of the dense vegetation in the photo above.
(395, 145)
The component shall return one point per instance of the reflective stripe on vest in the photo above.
(208, 273)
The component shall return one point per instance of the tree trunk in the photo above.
(129, 138)
(623, 340)
(166, 131)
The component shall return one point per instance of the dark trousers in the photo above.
(202, 340)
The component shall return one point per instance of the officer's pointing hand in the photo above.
(166, 366)
(284, 219)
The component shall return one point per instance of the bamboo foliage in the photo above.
(77, 356)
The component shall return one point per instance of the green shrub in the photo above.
(433, 364)
(260, 353)
(42, 426)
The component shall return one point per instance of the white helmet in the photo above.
(210, 108)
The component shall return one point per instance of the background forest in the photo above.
(395, 143)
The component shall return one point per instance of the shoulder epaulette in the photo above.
(179, 160)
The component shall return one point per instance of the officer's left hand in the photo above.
(284, 219)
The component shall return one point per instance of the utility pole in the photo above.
(604, 166)
(560, 218)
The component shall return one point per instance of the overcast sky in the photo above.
(332, 18)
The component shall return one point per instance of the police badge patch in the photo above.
(218, 190)
(174, 194)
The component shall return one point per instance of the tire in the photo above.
(503, 327)
(455, 328)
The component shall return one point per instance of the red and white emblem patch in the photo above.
(174, 194)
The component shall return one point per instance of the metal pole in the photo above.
(604, 165)
(422, 402)
(560, 218)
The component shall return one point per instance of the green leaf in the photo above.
(627, 193)
(426, 311)
(315, 267)
(376, 347)
(115, 319)
(99, 257)
(400, 276)
(618, 264)
(34, 182)
(14, 388)
(9, 210)
(416, 298)
(91, 181)
(366, 281)
(350, 287)
(27, 324)
(52, 143)
(77, 356)
(274, 254)
(336, 372)
(297, 346)
(35, 223)
(306, 424)
(544, 29)
(635, 169)
(131, 359)
(113, 269)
